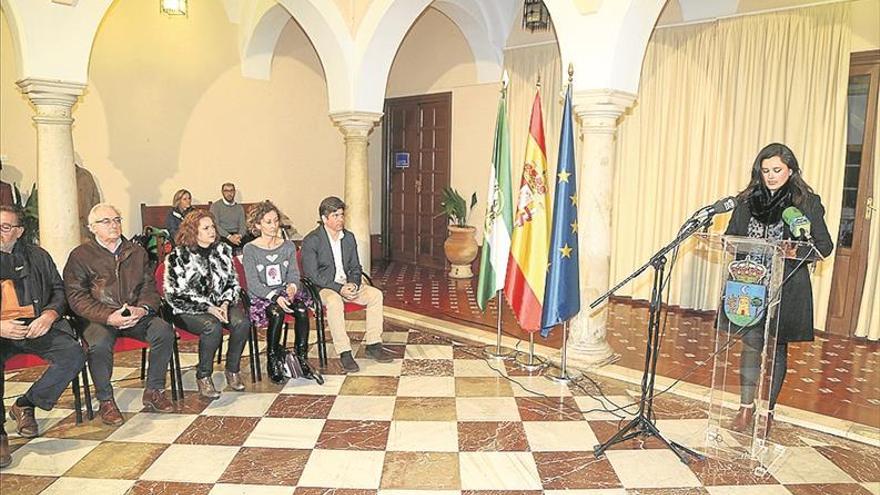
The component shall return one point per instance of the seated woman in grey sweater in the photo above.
(273, 284)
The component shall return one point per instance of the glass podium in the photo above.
(752, 273)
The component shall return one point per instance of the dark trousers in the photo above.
(750, 366)
(150, 329)
(65, 356)
(245, 238)
(210, 332)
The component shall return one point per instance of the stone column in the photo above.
(598, 111)
(56, 176)
(356, 127)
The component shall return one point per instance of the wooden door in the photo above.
(851, 258)
(417, 151)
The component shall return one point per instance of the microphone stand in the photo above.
(642, 423)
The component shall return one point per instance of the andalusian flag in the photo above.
(499, 213)
(527, 265)
(562, 299)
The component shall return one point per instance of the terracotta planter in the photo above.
(461, 250)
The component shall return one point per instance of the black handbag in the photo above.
(291, 366)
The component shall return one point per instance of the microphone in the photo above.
(723, 205)
(797, 222)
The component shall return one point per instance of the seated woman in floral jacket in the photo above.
(201, 286)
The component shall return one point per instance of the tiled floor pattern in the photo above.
(437, 420)
(833, 376)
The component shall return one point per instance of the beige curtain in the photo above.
(869, 313)
(711, 96)
(523, 66)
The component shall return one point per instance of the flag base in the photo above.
(461, 271)
(562, 377)
(500, 353)
(530, 362)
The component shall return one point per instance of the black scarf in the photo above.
(767, 207)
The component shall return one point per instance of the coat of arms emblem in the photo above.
(745, 296)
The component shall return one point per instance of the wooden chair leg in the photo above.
(220, 350)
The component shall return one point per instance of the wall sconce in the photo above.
(173, 7)
(536, 17)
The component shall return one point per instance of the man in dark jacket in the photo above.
(109, 282)
(31, 305)
(330, 260)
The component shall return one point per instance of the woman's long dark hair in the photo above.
(799, 188)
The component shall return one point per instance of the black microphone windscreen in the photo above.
(724, 205)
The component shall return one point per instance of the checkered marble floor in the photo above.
(833, 376)
(438, 419)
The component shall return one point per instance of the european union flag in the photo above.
(562, 293)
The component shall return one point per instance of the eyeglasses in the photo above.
(106, 222)
(7, 227)
(228, 190)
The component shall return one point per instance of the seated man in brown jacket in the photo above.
(109, 282)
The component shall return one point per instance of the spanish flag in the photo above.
(530, 242)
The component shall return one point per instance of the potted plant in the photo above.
(461, 245)
(30, 215)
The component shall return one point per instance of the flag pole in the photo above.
(497, 351)
(530, 362)
(563, 376)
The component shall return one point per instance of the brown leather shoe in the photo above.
(154, 400)
(349, 365)
(207, 389)
(26, 422)
(109, 413)
(5, 455)
(233, 381)
(744, 419)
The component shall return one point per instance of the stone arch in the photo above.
(65, 55)
(13, 23)
(617, 35)
(484, 25)
(324, 27)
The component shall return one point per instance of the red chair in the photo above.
(182, 334)
(319, 310)
(22, 361)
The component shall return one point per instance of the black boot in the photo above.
(274, 351)
(301, 342)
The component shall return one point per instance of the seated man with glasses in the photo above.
(231, 222)
(109, 282)
(31, 305)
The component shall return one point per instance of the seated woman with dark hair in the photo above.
(201, 286)
(273, 284)
(181, 205)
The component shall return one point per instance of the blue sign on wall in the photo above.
(401, 159)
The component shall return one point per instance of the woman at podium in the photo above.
(776, 205)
